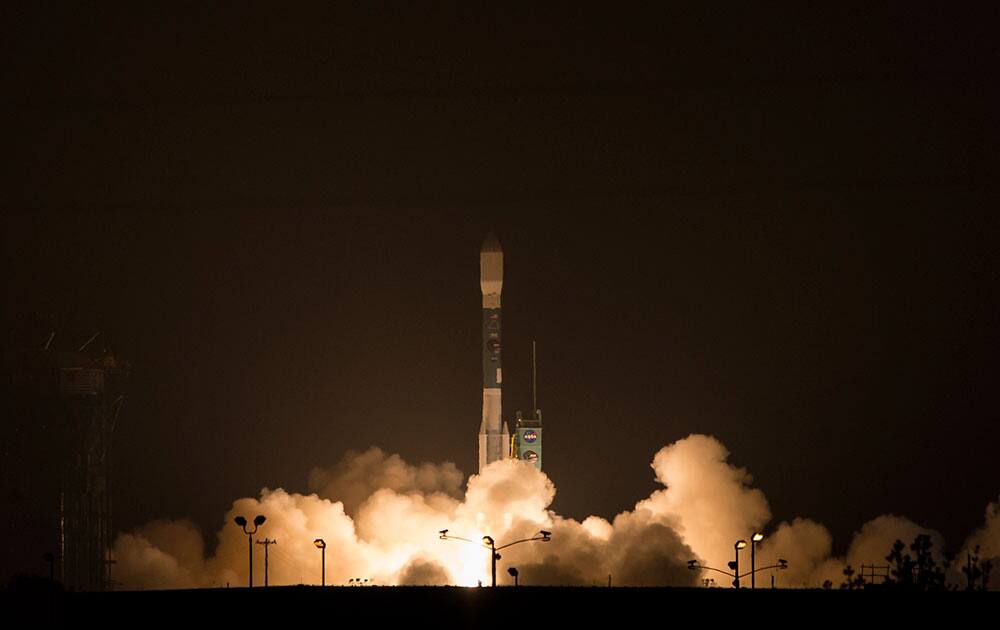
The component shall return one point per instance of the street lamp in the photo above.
(257, 522)
(490, 544)
(756, 538)
(488, 541)
(735, 565)
(513, 573)
(321, 545)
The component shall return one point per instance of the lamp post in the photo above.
(257, 522)
(756, 538)
(735, 565)
(488, 541)
(321, 545)
(490, 544)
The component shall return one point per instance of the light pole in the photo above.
(321, 545)
(513, 573)
(488, 541)
(257, 522)
(756, 538)
(735, 564)
(490, 544)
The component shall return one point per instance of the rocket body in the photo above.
(494, 438)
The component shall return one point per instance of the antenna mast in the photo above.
(534, 382)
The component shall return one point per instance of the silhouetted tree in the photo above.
(852, 580)
(919, 572)
(900, 566)
(977, 571)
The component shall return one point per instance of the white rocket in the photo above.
(494, 437)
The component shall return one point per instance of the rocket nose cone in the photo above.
(491, 244)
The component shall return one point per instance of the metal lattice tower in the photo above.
(66, 406)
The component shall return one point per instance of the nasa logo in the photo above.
(530, 456)
(530, 436)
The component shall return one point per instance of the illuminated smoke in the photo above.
(806, 545)
(987, 538)
(707, 500)
(161, 554)
(359, 475)
(878, 535)
(380, 516)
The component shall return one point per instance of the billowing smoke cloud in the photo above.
(161, 554)
(380, 516)
(987, 537)
(807, 546)
(359, 475)
(707, 501)
(878, 535)
(987, 540)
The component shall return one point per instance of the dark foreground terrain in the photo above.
(503, 606)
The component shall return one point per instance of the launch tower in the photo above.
(526, 443)
(63, 407)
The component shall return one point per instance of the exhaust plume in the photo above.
(358, 475)
(380, 516)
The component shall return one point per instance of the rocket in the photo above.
(494, 437)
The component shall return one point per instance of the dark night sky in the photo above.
(776, 228)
